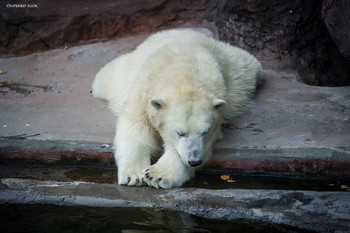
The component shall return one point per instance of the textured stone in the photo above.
(289, 113)
(287, 32)
(53, 24)
(336, 17)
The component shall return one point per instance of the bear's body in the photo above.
(171, 94)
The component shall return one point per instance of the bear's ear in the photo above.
(219, 103)
(157, 103)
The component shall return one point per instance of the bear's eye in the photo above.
(204, 133)
(180, 133)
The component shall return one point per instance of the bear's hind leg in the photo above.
(134, 146)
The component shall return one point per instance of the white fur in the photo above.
(172, 94)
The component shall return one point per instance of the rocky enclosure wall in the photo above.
(310, 36)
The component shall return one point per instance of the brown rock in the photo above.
(54, 24)
(292, 29)
(336, 16)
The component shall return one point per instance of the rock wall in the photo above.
(55, 24)
(290, 34)
(307, 36)
(336, 16)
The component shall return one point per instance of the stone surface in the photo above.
(287, 35)
(287, 114)
(336, 17)
(57, 24)
(317, 211)
(296, 162)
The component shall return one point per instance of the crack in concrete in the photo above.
(24, 89)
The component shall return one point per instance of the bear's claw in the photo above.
(152, 179)
(131, 180)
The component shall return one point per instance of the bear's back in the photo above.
(239, 69)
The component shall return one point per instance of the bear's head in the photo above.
(188, 123)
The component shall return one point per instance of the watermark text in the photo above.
(22, 5)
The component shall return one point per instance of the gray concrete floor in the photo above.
(287, 113)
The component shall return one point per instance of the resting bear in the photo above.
(171, 95)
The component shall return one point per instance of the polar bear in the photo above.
(171, 95)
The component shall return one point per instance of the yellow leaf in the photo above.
(1, 72)
(225, 177)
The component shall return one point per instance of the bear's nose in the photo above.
(194, 163)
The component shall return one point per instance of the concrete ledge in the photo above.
(317, 211)
(56, 152)
(314, 162)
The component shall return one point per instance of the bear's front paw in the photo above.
(159, 177)
(130, 179)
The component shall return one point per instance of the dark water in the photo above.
(201, 180)
(51, 218)
(214, 181)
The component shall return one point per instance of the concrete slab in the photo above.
(290, 114)
(296, 162)
(46, 96)
(65, 109)
(316, 211)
